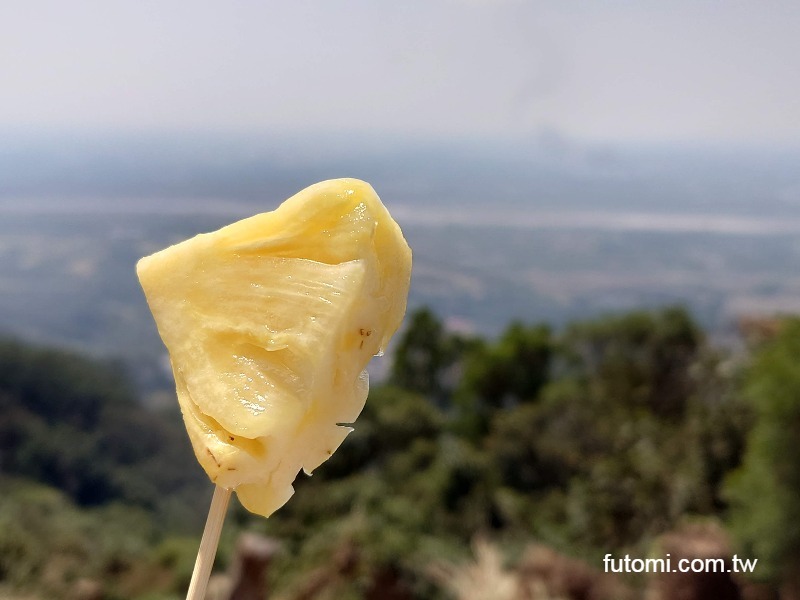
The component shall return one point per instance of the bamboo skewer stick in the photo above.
(208, 544)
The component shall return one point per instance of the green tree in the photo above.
(513, 369)
(500, 375)
(425, 357)
(74, 423)
(642, 359)
(765, 491)
(634, 429)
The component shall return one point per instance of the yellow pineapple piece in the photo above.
(270, 323)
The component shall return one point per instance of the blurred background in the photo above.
(603, 200)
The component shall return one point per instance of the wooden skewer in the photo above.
(208, 544)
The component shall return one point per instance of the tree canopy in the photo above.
(595, 438)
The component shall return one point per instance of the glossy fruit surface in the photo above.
(270, 323)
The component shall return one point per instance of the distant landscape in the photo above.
(540, 230)
(629, 412)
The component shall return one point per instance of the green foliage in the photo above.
(500, 375)
(597, 438)
(529, 449)
(73, 423)
(765, 491)
(425, 357)
(512, 370)
(641, 359)
(652, 423)
(46, 542)
(59, 386)
(601, 438)
(633, 425)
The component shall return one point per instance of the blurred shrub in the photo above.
(765, 491)
(593, 439)
(74, 423)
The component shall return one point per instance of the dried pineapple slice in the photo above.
(270, 322)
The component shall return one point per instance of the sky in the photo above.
(609, 70)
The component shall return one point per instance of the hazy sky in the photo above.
(609, 70)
